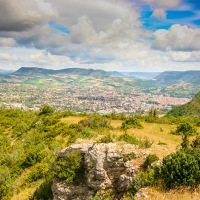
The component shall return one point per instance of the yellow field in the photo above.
(72, 119)
(176, 194)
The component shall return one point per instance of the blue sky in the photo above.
(187, 13)
(123, 35)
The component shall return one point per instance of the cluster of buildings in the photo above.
(84, 99)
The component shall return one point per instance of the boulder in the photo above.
(105, 168)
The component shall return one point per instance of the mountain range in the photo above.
(173, 83)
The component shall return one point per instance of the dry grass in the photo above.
(158, 133)
(72, 119)
(176, 194)
(116, 123)
(27, 193)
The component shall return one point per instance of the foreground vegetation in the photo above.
(30, 142)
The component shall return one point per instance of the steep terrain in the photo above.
(190, 109)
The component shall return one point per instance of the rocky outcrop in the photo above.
(107, 166)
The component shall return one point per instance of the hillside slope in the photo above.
(170, 77)
(70, 76)
(190, 109)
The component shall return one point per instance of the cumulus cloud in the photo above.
(159, 13)
(21, 15)
(96, 28)
(102, 33)
(163, 4)
(182, 56)
(177, 38)
(7, 42)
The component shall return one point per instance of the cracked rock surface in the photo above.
(105, 168)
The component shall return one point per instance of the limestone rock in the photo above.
(105, 168)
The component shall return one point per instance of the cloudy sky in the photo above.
(122, 35)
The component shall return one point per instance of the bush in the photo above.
(135, 186)
(107, 139)
(151, 158)
(180, 169)
(196, 142)
(87, 133)
(46, 110)
(147, 178)
(94, 122)
(185, 128)
(44, 192)
(128, 139)
(146, 143)
(69, 168)
(131, 123)
(37, 172)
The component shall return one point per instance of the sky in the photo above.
(113, 35)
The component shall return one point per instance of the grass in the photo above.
(175, 194)
(158, 133)
(72, 119)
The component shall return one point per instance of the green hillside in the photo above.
(71, 76)
(172, 77)
(190, 109)
(176, 84)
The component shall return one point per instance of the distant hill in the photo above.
(141, 75)
(26, 71)
(3, 71)
(176, 84)
(190, 109)
(170, 77)
(138, 75)
(66, 77)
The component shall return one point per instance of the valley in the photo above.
(88, 90)
(85, 99)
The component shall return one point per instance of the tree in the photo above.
(185, 128)
(46, 110)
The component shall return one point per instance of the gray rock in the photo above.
(105, 168)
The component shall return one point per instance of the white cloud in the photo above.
(21, 15)
(159, 13)
(182, 56)
(163, 3)
(7, 42)
(177, 38)
(103, 34)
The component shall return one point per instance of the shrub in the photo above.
(147, 178)
(196, 142)
(180, 169)
(107, 139)
(69, 168)
(44, 191)
(146, 143)
(94, 122)
(37, 172)
(46, 110)
(185, 128)
(151, 158)
(87, 133)
(135, 186)
(131, 123)
(128, 139)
